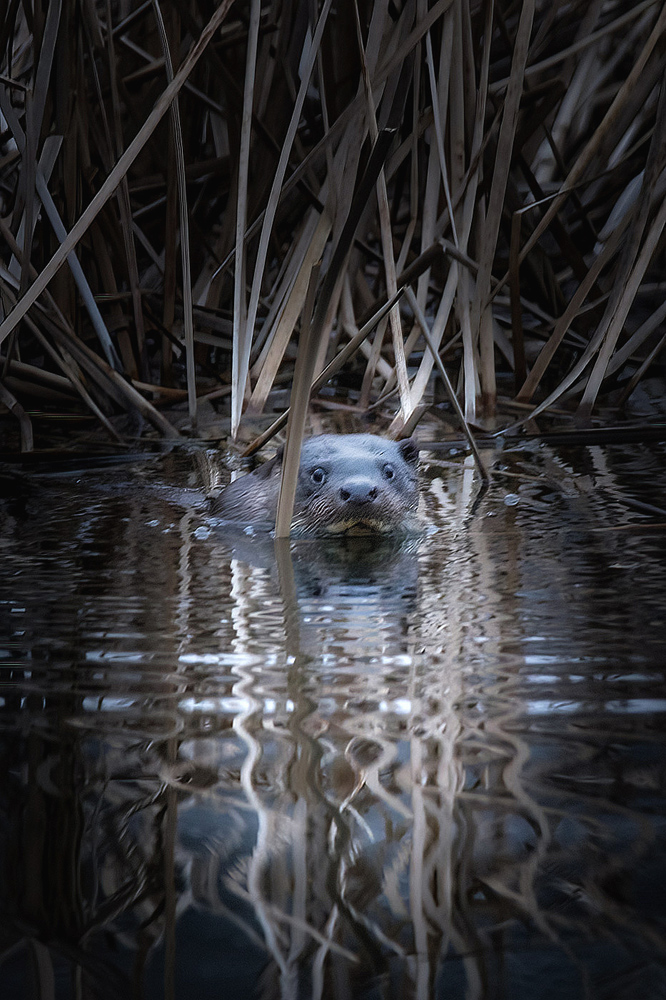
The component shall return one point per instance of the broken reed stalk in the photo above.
(450, 391)
(421, 264)
(308, 348)
(25, 424)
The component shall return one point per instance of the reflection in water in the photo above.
(432, 768)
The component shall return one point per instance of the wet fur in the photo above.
(349, 462)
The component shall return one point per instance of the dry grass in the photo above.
(518, 146)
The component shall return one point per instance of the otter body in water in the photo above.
(347, 484)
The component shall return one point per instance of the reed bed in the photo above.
(474, 186)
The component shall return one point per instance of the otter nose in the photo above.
(360, 490)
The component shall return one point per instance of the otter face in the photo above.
(356, 484)
(347, 484)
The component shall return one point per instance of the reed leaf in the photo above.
(177, 133)
(241, 360)
(242, 334)
(481, 327)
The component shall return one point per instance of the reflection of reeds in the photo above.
(386, 812)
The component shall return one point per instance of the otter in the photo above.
(347, 484)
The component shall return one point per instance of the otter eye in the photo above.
(389, 471)
(318, 476)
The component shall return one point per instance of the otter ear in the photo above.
(409, 451)
(272, 467)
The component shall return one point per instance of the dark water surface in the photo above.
(371, 770)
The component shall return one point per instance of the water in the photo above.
(429, 769)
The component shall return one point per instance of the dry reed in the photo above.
(523, 142)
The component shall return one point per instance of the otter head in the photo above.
(356, 484)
